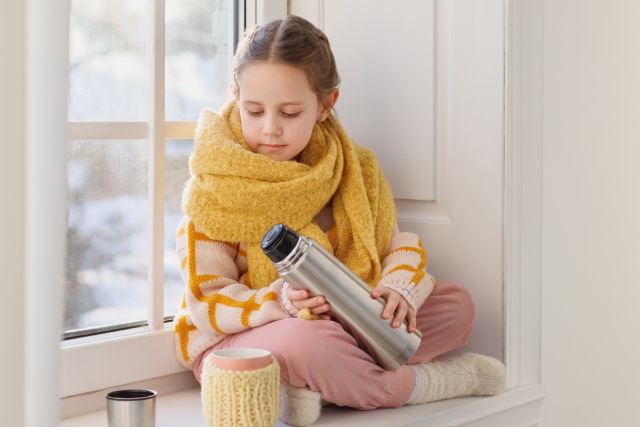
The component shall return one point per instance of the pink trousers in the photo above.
(322, 356)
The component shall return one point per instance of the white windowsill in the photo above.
(516, 407)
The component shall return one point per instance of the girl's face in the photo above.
(278, 109)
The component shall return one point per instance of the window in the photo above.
(120, 271)
(140, 127)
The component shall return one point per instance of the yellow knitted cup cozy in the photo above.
(240, 398)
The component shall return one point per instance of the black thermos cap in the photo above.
(279, 242)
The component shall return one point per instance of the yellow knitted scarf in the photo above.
(236, 195)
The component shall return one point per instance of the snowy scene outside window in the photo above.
(107, 256)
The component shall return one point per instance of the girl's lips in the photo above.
(274, 147)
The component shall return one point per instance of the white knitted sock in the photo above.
(466, 374)
(416, 386)
(299, 406)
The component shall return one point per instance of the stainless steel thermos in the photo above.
(305, 264)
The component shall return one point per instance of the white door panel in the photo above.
(441, 106)
(385, 57)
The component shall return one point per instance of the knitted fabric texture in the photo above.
(465, 374)
(241, 398)
(299, 406)
(236, 195)
(219, 301)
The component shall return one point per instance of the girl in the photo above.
(276, 153)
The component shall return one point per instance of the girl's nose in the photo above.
(271, 126)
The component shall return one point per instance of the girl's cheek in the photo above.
(251, 133)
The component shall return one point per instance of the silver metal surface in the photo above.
(131, 408)
(309, 266)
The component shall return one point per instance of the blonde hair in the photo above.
(292, 41)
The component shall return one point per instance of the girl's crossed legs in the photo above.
(322, 356)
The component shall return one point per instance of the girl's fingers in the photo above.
(319, 309)
(412, 323)
(314, 302)
(411, 319)
(378, 292)
(400, 314)
(315, 305)
(296, 294)
(392, 303)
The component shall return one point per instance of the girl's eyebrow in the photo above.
(283, 103)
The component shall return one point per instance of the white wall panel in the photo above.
(267, 10)
(47, 78)
(309, 10)
(13, 122)
(385, 57)
(448, 187)
(591, 211)
(462, 230)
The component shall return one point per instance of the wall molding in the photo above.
(523, 190)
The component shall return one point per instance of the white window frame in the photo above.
(144, 353)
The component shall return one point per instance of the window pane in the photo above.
(107, 248)
(197, 57)
(176, 171)
(109, 70)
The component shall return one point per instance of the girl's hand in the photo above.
(395, 302)
(316, 305)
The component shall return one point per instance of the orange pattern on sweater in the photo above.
(224, 284)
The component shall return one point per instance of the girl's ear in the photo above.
(335, 92)
(330, 102)
(332, 98)
(233, 89)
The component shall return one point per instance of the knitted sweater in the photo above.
(219, 301)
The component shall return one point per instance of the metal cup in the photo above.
(131, 408)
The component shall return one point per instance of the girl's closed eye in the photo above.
(287, 115)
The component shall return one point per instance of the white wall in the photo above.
(34, 41)
(12, 211)
(591, 214)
